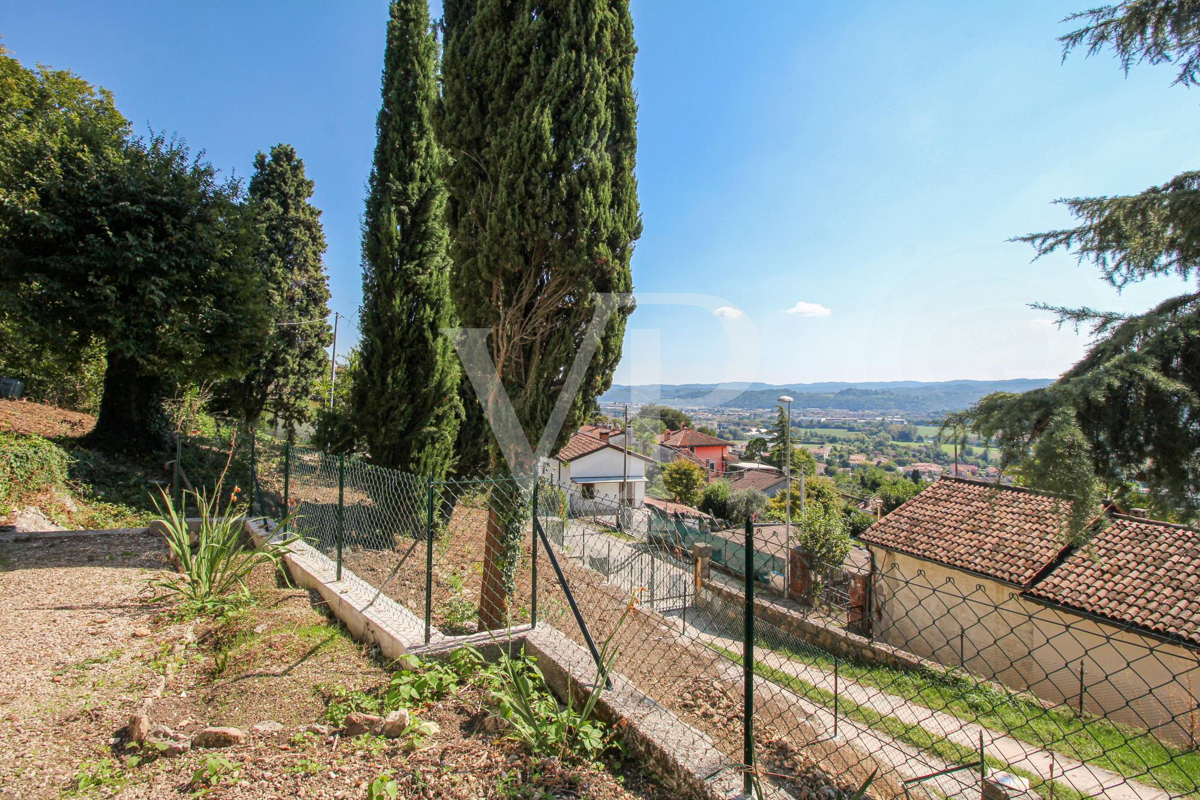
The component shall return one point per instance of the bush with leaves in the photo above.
(745, 503)
(715, 499)
(685, 481)
(823, 534)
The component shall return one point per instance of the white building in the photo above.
(600, 471)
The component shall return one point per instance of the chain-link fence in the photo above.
(928, 682)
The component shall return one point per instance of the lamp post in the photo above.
(787, 506)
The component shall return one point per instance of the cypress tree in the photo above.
(286, 373)
(405, 401)
(540, 118)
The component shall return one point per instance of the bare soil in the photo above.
(20, 416)
(659, 653)
(86, 644)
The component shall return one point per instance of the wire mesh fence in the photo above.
(872, 666)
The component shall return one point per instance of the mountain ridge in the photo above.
(881, 396)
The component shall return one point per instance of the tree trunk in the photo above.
(493, 596)
(132, 416)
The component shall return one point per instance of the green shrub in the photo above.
(214, 571)
(715, 498)
(28, 463)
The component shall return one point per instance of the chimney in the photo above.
(1138, 512)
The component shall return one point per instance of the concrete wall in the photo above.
(957, 619)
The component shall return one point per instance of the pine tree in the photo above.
(285, 375)
(539, 115)
(1128, 410)
(406, 408)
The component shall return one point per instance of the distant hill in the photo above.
(910, 397)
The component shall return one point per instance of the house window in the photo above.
(711, 465)
(589, 491)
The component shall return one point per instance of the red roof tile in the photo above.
(670, 507)
(1135, 571)
(686, 437)
(582, 444)
(1003, 532)
(761, 479)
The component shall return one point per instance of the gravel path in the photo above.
(75, 625)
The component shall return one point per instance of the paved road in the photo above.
(1086, 779)
(657, 581)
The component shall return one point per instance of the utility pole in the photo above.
(625, 466)
(787, 507)
(333, 360)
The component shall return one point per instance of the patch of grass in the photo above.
(1122, 749)
(99, 774)
(305, 766)
(340, 702)
(214, 771)
(914, 735)
(459, 615)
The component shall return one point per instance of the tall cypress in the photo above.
(406, 408)
(284, 377)
(540, 118)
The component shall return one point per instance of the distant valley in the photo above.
(908, 397)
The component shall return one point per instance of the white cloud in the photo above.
(805, 309)
(729, 312)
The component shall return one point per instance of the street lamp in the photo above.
(787, 506)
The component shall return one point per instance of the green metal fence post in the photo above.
(176, 484)
(287, 480)
(253, 471)
(748, 669)
(533, 562)
(429, 563)
(341, 514)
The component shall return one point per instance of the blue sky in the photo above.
(869, 160)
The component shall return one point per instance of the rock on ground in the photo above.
(219, 737)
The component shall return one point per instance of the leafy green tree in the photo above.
(685, 481)
(817, 490)
(672, 418)
(66, 374)
(285, 373)
(823, 533)
(756, 448)
(334, 430)
(1132, 399)
(539, 116)
(707, 429)
(896, 493)
(128, 242)
(745, 503)
(715, 499)
(802, 461)
(406, 405)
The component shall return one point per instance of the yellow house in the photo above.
(981, 576)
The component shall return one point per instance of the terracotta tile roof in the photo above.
(669, 507)
(1135, 571)
(761, 479)
(582, 444)
(686, 437)
(1002, 532)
